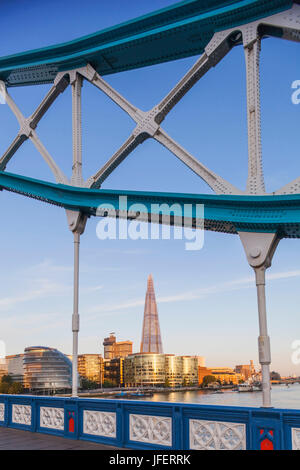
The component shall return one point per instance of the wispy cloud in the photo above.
(43, 288)
(235, 284)
(42, 280)
(117, 306)
(91, 289)
(284, 275)
(47, 266)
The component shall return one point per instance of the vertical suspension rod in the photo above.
(255, 183)
(75, 317)
(76, 83)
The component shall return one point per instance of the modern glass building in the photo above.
(190, 370)
(145, 369)
(151, 336)
(174, 370)
(114, 371)
(46, 369)
(150, 369)
(15, 367)
(90, 366)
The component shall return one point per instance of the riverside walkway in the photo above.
(16, 439)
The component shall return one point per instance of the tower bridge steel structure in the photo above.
(210, 28)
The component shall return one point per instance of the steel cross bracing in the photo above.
(259, 247)
(148, 124)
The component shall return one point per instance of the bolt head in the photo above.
(255, 252)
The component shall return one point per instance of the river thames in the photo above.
(282, 397)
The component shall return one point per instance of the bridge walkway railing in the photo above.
(154, 425)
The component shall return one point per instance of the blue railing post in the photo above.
(266, 430)
(34, 414)
(71, 418)
(6, 411)
(9, 412)
(120, 425)
(177, 424)
(249, 435)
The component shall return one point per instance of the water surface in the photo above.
(282, 397)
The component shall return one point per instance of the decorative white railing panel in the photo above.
(52, 418)
(99, 423)
(150, 429)
(216, 435)
(296, 438)
(21, 414)
(2, 410)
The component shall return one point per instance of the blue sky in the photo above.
(206, 299)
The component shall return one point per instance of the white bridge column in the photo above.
(260, 248)
(75, 316)
(264, 349)
(77, 222)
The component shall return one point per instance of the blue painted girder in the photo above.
(223, 213)
(181, 30)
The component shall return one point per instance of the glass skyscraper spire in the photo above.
(151, 337)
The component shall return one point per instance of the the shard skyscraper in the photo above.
(151, 338)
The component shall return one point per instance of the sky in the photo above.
(206, 299)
